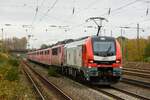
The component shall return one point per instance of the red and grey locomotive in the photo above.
(96, 59)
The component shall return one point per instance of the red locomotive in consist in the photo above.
(96, 59)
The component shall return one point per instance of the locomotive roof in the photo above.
(105, 37)
(68, 41)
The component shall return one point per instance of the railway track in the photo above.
(120, 94)
(106, 92)
(136, 82)
(39, 93)
(136, 72)
(142, 84)
(130, 93)
(58, 93)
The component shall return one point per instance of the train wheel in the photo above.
(66, 71)
(74, 73)
(62, 70)
(82, 77)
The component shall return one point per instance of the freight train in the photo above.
(95, 59)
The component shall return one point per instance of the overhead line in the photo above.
(89, 6)
(35, 15)
(42, 3)
(119, 8)
(94, 1)
(141, 21)
(49, 9)
(126, 5)
(37, 10)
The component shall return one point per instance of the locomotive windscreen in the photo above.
(104, 47)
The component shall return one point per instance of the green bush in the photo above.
(14, 90)
(11, 88)
(12, 74)
(147, 59)
(147, 51)
(52, 72)
(13, 62)
(3, 58)
(9, 69)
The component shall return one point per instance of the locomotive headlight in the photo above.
(91, 61)
(118, 61)
(89, 67)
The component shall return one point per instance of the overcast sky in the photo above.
(43, 14)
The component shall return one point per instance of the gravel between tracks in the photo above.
(74, 89)
(137, 78)
(81, 92)
(31, 95)
(134, 89)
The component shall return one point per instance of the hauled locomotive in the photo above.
(96, 59)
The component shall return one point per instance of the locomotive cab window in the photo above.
(104, 47)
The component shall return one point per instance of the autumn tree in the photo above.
(0, 45)
(15, 43)
(133, 50)
(147, 51)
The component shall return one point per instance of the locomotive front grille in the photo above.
(104, 62)
(105, 71)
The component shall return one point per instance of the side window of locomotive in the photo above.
(41, 52)
(55, 51)
(47, 51)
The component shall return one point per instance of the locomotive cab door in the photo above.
(79, 56)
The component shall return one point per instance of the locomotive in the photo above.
(95, 59)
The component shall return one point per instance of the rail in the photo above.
(50, 86)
